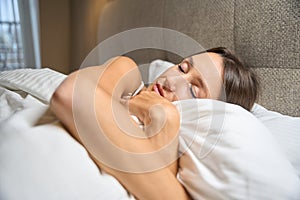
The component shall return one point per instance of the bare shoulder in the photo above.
(116, 71)
(121, 75)
(126, 62)
(121, 65)
(117, 76)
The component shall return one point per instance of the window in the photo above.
(11, 51)
(19, 34)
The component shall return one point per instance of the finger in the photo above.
(125, 100)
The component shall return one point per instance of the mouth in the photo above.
(158, 89)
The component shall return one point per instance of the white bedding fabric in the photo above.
(229, 154)
(39, 160)
(39, 83)
(255, 156)
(285, 129)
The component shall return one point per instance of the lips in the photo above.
(158, 89)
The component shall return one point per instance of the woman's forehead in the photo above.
(202, 57)
(206, 62)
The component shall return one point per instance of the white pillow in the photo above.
(285, 129)
(229, 154)
(40, 83)
(157, 67)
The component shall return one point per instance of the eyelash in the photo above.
(191, 86)
(180, 68)
(192, 92)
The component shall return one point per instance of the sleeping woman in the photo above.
(130, 131)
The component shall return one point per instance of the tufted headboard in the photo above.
(264, 34)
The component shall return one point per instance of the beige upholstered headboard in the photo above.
(265, 34)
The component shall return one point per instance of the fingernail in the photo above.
(126, 97)
(125, 100)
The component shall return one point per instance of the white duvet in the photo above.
(227, 152)
(39, 159)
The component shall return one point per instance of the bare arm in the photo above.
(157, 184)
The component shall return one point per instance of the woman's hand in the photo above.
(154, 111)
(142, 105)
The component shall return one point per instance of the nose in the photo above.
(173, 82)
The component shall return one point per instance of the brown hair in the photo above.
(240, 82)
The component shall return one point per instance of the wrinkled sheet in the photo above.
(40, 160)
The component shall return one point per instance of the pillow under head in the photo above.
(228, 154)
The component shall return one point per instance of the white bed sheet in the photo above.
(40, 160)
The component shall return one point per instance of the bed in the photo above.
(40, 160)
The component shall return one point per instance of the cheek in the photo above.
(182, 92)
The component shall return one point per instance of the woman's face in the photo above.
(198, 76)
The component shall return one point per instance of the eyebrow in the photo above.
(190, 60)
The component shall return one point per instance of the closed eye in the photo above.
(183, 67)
(180, 68)
(192, 92)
